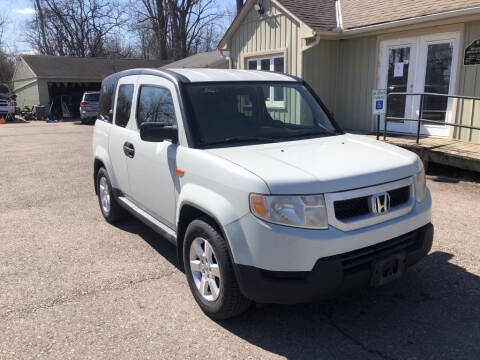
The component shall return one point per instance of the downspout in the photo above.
(338, 16)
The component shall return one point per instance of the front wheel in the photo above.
(210, 272)
(111, 210)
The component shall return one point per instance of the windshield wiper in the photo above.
(303, 134)
(239, 139)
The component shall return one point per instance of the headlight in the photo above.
(420, 185)
(306, 211)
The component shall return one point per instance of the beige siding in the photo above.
(469, 85)
(275, 32)
(27, 95)
(342, 72)
(22, 72)
(355, 81)
(320, 67)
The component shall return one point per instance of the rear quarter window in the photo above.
(107, 93)
(124, 104)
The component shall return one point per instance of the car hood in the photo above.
(323, 165)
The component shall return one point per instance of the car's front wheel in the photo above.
(109, 206)
(210, 272)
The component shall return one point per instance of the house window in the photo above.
(274, 96)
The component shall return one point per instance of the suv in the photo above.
(89, 106)
(264, 196)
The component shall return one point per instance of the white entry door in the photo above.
(397, 74)
(425, 64)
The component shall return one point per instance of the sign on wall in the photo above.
(379, 101)
(472, 54)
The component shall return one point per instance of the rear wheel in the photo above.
(109, 206)
(210, 272)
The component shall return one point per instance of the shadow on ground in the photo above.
(433, 312)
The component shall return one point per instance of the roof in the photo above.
(210, 59)
(83, 68)
(317, 14)
(320, 15)
(218, 75)
(360, 13)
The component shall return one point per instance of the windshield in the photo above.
(255, 112)
(91, 97)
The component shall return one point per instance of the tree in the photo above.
(152, 17)
(174, 29)
(7, 61)
(75, 27)
(239, 5)
(191, 21)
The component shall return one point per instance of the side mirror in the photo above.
(157, 132)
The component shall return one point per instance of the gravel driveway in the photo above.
(73, 286)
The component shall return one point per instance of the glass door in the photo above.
(438, 62)
(397, 72)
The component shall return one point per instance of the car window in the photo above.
(124, 104)
(155, 104)
(241, 110)
(91, 97)
(107, 94)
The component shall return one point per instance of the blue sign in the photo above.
(379, 104)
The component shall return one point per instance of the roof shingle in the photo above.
(84, 68)
(359, 13)
(317, 14)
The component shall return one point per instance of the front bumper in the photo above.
(272, 247)
(333, 275)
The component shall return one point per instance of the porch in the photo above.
(444, 151)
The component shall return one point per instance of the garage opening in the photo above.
(65, 97)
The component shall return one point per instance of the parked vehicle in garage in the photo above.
(89, 106)
(265, 197)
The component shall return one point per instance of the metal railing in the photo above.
(420, 120)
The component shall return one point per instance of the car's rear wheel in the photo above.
(209, 272)
(109, 206)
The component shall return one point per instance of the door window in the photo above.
(124, 104)
(155, 104)
(397, 80)
(437, 80)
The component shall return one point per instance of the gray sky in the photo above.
(19, 11)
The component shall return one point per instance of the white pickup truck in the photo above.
(264, 196)
(7, 102)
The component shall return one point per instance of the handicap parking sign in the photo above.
(379, 101)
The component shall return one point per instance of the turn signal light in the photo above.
(257, 203)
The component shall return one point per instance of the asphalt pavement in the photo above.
(74, 286)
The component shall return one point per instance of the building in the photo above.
(346, 48)
(211, 59)
(41, 80)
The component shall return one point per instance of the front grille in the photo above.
(399, 196)
(351, 208)
(356, 259)
(356, 207)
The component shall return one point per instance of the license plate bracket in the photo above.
(388, 269)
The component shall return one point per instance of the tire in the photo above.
(113, 212)
(229, 301)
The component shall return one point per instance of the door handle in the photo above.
(129, 149)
